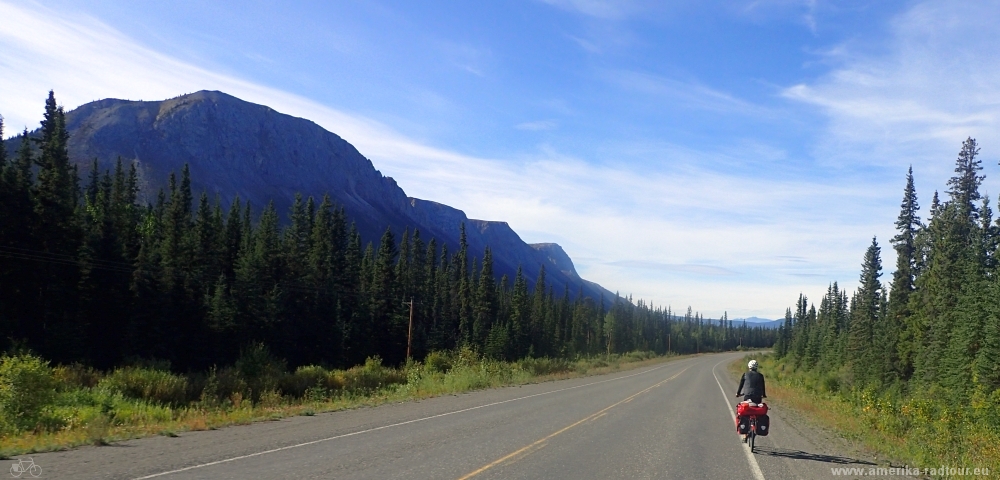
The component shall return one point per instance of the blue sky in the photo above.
(722, 155)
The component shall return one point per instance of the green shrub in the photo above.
(831, 384)
(466, 356)
(438, 362)
(74, 376)
(221, 385)
(639, 355)
(545, 366)
(270, 399)
(27, 388)
(260, 370)
(310, 377)
(147, 384)
(371, 377)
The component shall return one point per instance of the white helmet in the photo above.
(752, 365)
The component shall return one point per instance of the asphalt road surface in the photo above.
(671, 420)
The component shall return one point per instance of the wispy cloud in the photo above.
(585, 44)
(914, 102)
(603, 9)
(467, 57)
(804, 12)
(691, 94)
(537, 125)
(685, 268)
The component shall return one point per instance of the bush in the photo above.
(310, 377)
(371, 377)
(73, 376)
(260, 370)
(831, 384)
(466, 357)
(147, 384)
(221, 385)
(545, 366)
(27, 388)
(438, 362)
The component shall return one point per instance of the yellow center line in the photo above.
(532, 446)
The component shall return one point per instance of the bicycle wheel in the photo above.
(35, 471)
(753, 435)
(15, 470)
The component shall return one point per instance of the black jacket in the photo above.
(754, 382)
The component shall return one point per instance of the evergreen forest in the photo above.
(89, 275)
(934, 330)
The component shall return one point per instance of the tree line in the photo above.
(935, 328)
(87, 274)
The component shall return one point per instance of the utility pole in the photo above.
(409, 332)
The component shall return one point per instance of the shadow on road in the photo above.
(816, 457)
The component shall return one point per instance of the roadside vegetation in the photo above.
(914, 430)
(911, 367)
(45, 408)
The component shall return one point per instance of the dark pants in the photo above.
(753, 398)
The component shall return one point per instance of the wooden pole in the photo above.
(409, 332)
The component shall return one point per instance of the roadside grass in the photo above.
(82, 406)
(928, 431)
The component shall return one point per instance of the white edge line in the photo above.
(289, 447)
(754, 467)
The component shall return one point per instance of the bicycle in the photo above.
(17, 469)
(752, 434)
(757, 422)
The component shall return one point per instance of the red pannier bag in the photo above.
(744, 408)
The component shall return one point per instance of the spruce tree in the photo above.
(907, 225)
(936, 296)
(964, 186)
(3, 148)
(389, 329)
(906, 244)
(987, 364)
(537, 323)
(864, 316)
(520, 317)
(485, 300)
(57, 233)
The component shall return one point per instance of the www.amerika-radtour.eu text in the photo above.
(910, 471)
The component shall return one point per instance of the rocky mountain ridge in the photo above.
(237, 148)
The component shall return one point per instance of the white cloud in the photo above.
(688, 93)
(537, 125)
(588, 45)
(936, 83)
(603, 9)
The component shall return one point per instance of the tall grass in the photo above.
(925, 430)
(46, 408)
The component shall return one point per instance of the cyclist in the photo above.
(754, 382)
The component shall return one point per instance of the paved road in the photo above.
(672, 420)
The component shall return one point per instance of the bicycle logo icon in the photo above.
(25, 466)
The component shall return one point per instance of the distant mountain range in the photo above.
(234, 147)
(761, 322)
(753, 320)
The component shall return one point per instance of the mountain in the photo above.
(234, 147)
(754, 320)
(761, 322)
